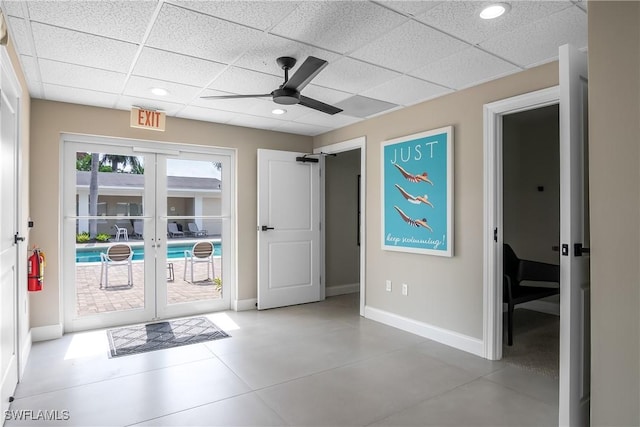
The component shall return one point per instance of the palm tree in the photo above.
(115, 160)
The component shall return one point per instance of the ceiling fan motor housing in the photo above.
(286, 96)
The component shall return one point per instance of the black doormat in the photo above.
(157, 336)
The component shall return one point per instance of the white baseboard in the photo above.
(244, 304)
(444, 336)
(24, 354)
(350, 288)
(44, 333)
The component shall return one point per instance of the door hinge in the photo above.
(495, 234)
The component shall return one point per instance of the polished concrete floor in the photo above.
(315, 364)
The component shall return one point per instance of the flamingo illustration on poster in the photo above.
(417, 193)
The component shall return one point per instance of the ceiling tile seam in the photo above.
(32, 46)
(405, 14)
(75, 64)
(79, 88)
(219, 18)
(141, 46)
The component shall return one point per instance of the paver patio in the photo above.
(91, 299)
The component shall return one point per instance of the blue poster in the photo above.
(417, 203)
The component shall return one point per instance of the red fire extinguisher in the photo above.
(35, 270)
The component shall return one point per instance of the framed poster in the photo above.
(417, 193)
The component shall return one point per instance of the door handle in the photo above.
(579, 250)
(17, 238)
(265, 228)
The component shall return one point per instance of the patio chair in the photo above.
(121, 232)
(119, 254)
(201, 252)
(138, 228)
(195, 231)
(172, 229)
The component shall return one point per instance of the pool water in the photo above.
(173, 251)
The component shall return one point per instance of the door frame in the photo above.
(351, 144)
(493, 209)
(229, 268)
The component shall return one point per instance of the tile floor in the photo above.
(316, 364)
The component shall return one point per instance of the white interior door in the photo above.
(8, 249)
(288, 230)
(574, 231)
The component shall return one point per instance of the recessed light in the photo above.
(159, 91)
(494, 11)
(278, 111)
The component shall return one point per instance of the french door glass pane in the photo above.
(109, 198)
(193, 225)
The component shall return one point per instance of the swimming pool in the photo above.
(92, 254)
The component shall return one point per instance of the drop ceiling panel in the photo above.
(126, 102)
(412, 45)
(257, 14)
(141, 87)
(245, 82)
(121, 20)
(302, 128)
(467, 68)
(195, 34)
(81, 48)
(411, 8)
(205, 114)
(538, 42)
(255, 122)
(353, 76)
(262, 56)
(163, 65)
(405, 90)
(461, 18)
(14, 8)
(20, 36)
(338, 26)
(64, 74)
(79, 96)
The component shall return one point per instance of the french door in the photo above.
(155, 202)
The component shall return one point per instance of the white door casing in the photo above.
(574, 230)
(288, 230)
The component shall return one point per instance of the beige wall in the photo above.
(342, 253)
(614, 175)
(443, 292)
(50, 119)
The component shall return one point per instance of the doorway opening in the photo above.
(343, 210)
(531, 228)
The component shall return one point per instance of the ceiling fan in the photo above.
(289, 92)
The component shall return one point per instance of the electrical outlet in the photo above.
(405, 289)
(388, 286)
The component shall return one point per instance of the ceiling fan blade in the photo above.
(318, 105)
(305, 73)
(263, 95)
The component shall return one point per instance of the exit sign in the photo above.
(147, 119)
